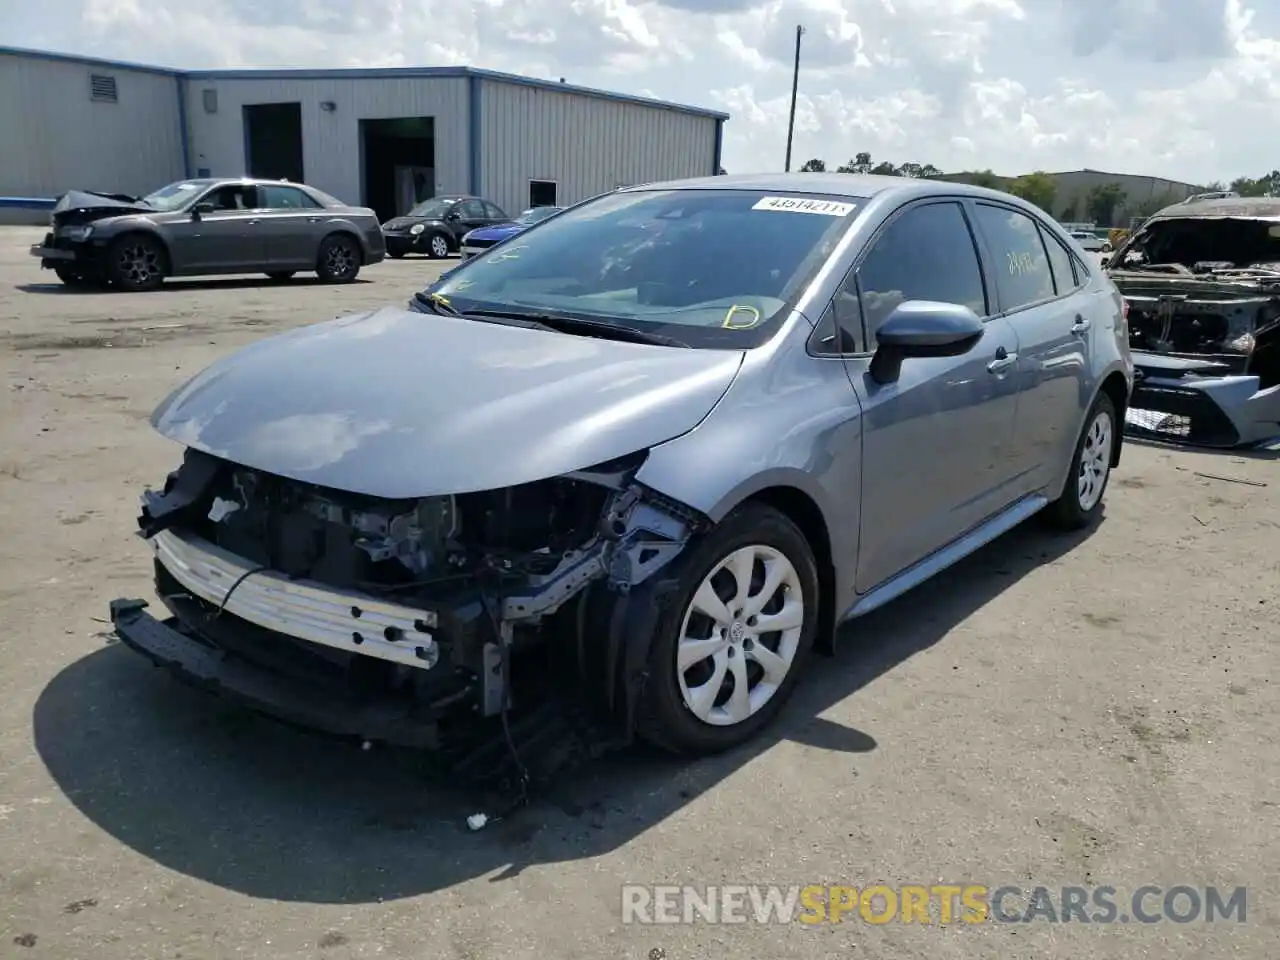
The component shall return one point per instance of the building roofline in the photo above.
(369, 73)
(1107, 173)
(57, 57)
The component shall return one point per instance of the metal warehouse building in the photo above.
(385, 138)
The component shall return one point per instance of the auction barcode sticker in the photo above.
(827, 208)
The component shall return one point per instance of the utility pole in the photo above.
(795, 83)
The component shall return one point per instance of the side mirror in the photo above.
(200, 209)
(453, 215)
(923, 328)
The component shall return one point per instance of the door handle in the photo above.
(1081, 325)
(1003, 361)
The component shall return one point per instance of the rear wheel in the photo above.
(136, 262)
(339, 259)
(282, 275)
(1081, 500)
(437, 246)
(730, 650)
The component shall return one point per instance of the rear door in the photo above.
(228, 239)
(292, 225)
(935, 447)
(1041, 294)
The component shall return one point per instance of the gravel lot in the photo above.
(1095, 710)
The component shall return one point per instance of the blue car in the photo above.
(485, 237)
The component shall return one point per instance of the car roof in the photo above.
(854, 186)
(1258, 207)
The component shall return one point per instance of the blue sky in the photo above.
(1190, 93)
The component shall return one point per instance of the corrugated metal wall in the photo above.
(53, 137)
(331, 140)
(586, 144)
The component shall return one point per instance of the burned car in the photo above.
(645, 456)
(1202, 280)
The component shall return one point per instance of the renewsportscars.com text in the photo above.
(928, 904)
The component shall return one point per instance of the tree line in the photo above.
(1102, 204)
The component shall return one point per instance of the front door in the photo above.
(227, 239)
(471, 216)
(935, 442)
(292, 226)
(1039, 295)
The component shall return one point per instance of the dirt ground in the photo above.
(1099, 710)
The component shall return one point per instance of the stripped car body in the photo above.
(657, 494)
(1202, 279)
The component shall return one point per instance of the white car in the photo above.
(1090, 241)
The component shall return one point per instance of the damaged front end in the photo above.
(73, 243)
(403, 622)
(1203, 298)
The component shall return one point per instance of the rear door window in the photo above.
(1021, 262)
(286, 198)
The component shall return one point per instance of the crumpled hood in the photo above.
(497, 232)
(399, 404)
(101, 204)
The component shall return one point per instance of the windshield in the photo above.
(534, 214)
(1203, 244)
(713, 268)
(175, 195)
(434, 208)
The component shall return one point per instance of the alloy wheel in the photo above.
(1095, 461)
(439, 247)
(340, 260)
(740, 635)
(139, 263)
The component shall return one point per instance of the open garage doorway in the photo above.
(399, 163)
(273, 141)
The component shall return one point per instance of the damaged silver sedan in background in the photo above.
(645, 457)
(1202, 279)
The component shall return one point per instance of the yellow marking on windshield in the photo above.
(730, 324)
(464, 284)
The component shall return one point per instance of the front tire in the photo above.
(136, 262)
(1081, 500)
(75, 279)
(338, 260)
(437, 246)
(730, 649)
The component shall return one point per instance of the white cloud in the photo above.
(1188, 90)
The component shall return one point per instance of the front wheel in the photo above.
(437, 246)
(76, 280)
(730, 649)
(135, 262)
(1081, 500)
(339, 259)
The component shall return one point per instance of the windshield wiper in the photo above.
(434, 303)
(565, 324)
